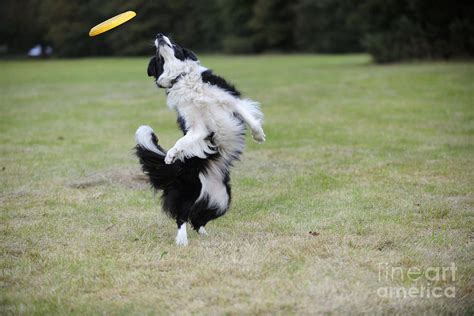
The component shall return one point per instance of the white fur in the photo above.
(207, 109)
(173, 66)
(214, 190)
(202, 231)
(143, 137)
(182, 236)
(191, 145)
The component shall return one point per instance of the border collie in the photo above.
(194, 175)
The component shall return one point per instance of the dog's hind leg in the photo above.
(177, 207)
(182, 235)
(202, 231)
(199, 218)
(181, 220)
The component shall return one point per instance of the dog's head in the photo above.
(170, 61)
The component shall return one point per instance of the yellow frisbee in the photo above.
(111, 23)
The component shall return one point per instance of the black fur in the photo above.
(179, 181)
(210, 78)
(180, 185)
(183, 53)
(155, 67)
(182, 124)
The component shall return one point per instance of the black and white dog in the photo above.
(194, 174)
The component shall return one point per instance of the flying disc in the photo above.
(111, 23)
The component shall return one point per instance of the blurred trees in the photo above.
(272, 25)
(234, 25)
(389, 30)
(325, 26)
(415, 29)
(66, 26)
(19, 26)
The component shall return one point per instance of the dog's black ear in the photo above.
(152, 71)
(188, 54)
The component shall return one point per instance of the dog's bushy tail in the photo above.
(152, 159)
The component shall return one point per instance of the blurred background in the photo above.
(390, 30)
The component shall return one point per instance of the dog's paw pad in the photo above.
(258, 135)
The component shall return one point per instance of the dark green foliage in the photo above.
(389, 30)
(272, 23)
(67, 25)
(416, 29)
(192, 23)
(235, 27)
(324, 26)
(19, 26)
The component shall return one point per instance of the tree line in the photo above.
(389, 30)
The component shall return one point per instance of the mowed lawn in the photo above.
(364, 167)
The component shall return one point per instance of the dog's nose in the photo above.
(159, 35)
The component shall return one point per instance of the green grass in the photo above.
(377, 160)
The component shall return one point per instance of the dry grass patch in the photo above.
(364, 165)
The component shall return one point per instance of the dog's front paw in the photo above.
(258, 134)
(171, 155)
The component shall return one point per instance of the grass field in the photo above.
(376, 161)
